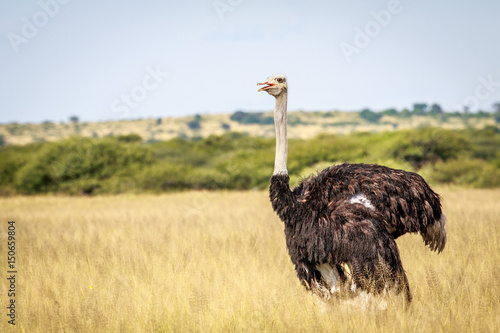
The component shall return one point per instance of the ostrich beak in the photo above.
(269, 85)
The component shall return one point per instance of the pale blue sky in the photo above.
(94, 59)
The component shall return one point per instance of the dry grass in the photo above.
(215, 262)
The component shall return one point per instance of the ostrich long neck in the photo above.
(283, 200)
(281, 139)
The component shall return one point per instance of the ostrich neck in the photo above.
(283, 200)
(281, 138)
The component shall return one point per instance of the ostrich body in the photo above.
(350, 214)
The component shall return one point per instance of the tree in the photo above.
(496, 108)
(251, 118)
(405, 113)
(390, 112)
(74, 119)
(428, 145)
(369, 115)
(436, 109)
(195, 123)
(419, 109)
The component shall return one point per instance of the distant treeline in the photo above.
(236, 161)
(419, 109)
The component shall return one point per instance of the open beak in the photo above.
(269, 85)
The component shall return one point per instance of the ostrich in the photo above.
(350, 214)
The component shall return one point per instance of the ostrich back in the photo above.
(404, 199)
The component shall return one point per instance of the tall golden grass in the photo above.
(215, 262)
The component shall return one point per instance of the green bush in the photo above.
(237, 161)
(194, 124)
(129, 138)
(163, 177)
(370, 116)
(248, 168)
(464, 172)
(209, 179)
(13, 158)
(74, 165)
(251, 118)
(485, 143)
(428, 145)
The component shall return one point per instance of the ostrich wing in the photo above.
(405, 201)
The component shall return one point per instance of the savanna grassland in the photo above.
(217, 261)
(302, 125)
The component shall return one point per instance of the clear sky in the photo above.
(105, 60)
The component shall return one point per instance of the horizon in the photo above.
(428, 113)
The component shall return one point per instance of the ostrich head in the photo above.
(275, 85)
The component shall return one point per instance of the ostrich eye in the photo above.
(279, 80)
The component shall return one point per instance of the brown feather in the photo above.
(323, 226)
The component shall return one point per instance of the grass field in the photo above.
(216, 262)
